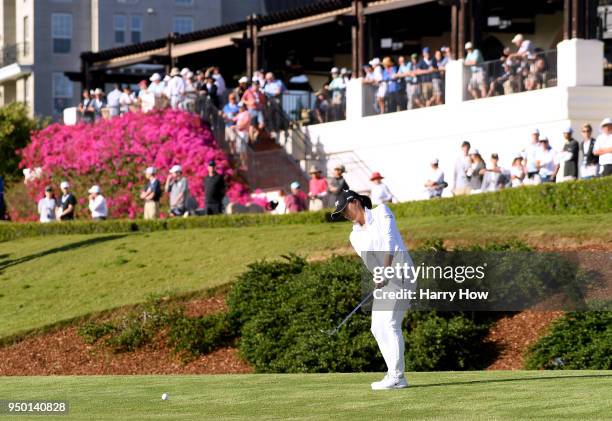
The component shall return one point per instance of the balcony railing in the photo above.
(512, 75)
(12, 53)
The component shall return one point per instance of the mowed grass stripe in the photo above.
(519, 395)
(45, 280)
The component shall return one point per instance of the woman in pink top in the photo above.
(317, 189)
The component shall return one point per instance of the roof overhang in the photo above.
(14, 71)
(205, 44)
(301, 23)
(386, 5)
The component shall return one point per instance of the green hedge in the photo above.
(576, 341)
(577, 198)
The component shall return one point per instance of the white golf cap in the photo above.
(64, 185)
(175, 71)
(469, 45)
(98, 91)
(167, 78)
(150, 170)
(474, 151)
(517, 38)
(95, 189)
(243, 79)
(605, 122)
(334, 70)
(435, 161)
(343, 71)
(535, 131)
(375, 62)
(184, 71)
(295, 185)
(155, 77)
(175, 169)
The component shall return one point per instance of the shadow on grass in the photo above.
(519, 379)
(67, 247)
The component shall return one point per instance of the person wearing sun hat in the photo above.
(380, 193)
(603, 147)
(317, 189)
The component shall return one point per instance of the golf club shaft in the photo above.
(366, 299)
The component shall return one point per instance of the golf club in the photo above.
(333, 331)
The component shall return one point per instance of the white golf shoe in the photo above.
(390, 382)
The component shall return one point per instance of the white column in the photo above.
(354, 99)
(580, 62)
(455, 80)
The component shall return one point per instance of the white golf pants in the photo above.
(386, 327)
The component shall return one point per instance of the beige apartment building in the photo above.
(40, 40)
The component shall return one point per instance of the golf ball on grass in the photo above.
(164, 396)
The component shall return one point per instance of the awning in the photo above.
(386, 5)
(128, 60)
(302, 23)
(14, 71)
(205, 44)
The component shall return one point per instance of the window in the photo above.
(62, 92)
(183, 2)
(119, 27)
(135, 28)
(182, 25)
(61, 32)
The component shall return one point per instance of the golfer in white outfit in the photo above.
(376, 238)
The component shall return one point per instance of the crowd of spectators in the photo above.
(537, 163)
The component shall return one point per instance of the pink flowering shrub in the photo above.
(114, 154)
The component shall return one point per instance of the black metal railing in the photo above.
(512, 75)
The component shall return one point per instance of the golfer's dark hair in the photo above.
(365, 201)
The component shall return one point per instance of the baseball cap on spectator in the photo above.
(474, 151)
(64, 185)
(295, 185)
(376, 176)
(517, 38)
(48, 188)
(95, 189)
(155, 77)
(343, 71)
(469, 45)
(175, 71)
(543, 139)
(150, 170)
(605, 122)
(254, 79)
(212, 163)
(167, 78)
(535, 131)
(414, 55)
(568, 129)
(334, 70)
(98, 91)
(184, 71)
(340, 167)
(435, 161)
(426, 50)
(375, 62)
(243, 79)
(175, 169)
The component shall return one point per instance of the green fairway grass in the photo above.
(492, 395)
(49, 279)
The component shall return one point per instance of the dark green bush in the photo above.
(578, 340)
(201, 335)
(279, 309)
(575, 198)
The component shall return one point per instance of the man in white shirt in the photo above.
(525, 47)
(46, 206)
(157, 86)
(113, 101)
(435, 183)
(462, 164)
(176, 88)
(547, 162)
(380, 193)
(603, 147)
(530, 157)
(97, 204)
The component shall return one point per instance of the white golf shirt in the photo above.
(604, 141)
(436, 176)
(98, 208)
(176, 87)
(46, 209)
(548, 161)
